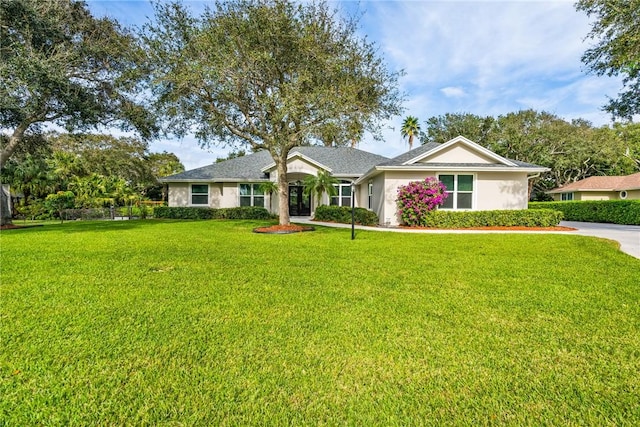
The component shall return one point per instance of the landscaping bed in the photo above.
(498, 228)
(283, 229)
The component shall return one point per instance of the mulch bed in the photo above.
(556, 228)
(283, 229)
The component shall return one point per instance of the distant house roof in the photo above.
(341, 161)
(602, 183)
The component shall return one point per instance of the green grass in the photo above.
(206, 323)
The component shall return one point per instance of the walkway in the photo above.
(627, 235)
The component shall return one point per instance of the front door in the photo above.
(298, 204)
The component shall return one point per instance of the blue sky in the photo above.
(480, 57)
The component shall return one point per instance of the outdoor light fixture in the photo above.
(353, 209)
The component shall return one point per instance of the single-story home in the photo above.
(600, 188)
(476, 179)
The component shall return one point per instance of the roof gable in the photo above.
(459, 150)
(298, 165)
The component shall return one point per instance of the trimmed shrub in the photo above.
(501, 218)
(612, 211)
(244, 212)
(342, 214)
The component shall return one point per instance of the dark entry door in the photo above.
(298, 204)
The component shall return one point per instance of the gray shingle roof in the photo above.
(341, 160)
(404, 157)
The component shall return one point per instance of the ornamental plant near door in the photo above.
(416, 199)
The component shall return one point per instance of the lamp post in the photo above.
(353, 209)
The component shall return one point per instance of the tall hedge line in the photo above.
(342, 214)
(244, 212)
(611, 211)
(497, 218)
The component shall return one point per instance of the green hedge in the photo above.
(611, 211)
(245, 212)
(502, 218)
(342, 214)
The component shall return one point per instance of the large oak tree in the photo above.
(616, 30)
(61, 66)
(267, 75)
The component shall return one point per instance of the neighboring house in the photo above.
(476, 179)
(600, 188)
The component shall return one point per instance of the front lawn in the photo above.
(207, 323)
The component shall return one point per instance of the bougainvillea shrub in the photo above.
(418, 198)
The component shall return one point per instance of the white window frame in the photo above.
(339, 197)
(623, 194)
(370, 195)
(454, 194)
(191, 194)
(566, 197)
(252, 194)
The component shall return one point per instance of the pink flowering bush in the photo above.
(416, 199)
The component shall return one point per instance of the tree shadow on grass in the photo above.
(86, 226)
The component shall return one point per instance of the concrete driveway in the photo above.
(627, 235)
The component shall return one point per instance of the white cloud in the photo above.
(453, 92)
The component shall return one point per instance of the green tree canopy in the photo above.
(59, 65)
(443, 128)
(123, 157)
(616, 30)
(270, 75)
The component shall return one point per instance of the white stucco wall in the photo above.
(492, 191)
(388, 187)
(496, 190)
(633, 195)
(599, 195)
(596, 195)
(178, 194)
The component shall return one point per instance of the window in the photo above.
(460, 191)
(370, 191)
(251, 195)
(623, 194)
(565, 197)
(200, 194)
(344, 194)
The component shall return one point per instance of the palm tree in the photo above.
(269, 187)
(410, 128)
(321, 183)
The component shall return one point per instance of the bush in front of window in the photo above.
(497, 218)
(342, 214)
(244, 212)
(416, 199)
(625, 212)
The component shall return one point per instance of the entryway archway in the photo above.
(299, 205)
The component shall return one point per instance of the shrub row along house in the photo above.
(476, 179)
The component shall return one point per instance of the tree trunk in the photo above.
(283, 190)
(5, 155)
(5, 208)
(14, 140)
